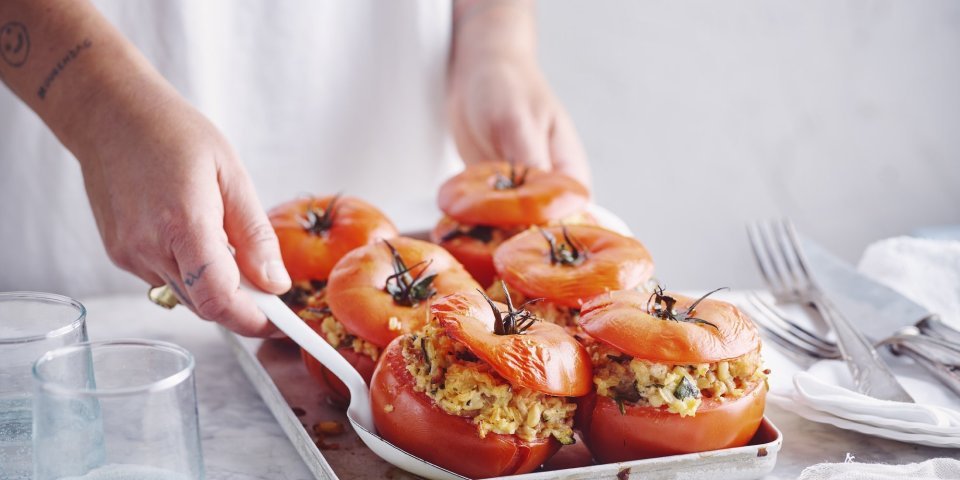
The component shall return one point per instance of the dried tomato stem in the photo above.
(517, 178)
(515, 321)
(408, 289)
(661, 306)
(569, 253)
(319, 221)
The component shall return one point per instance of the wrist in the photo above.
(492, 31)
(106, 98)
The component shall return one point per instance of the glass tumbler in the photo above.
(31, 323)
(116, 409)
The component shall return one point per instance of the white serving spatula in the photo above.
(358, 412)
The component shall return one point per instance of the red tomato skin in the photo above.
(339, 394)
(620, 319)
(308, 256)
(415, 424)
(613, 262)
(647, 432)
(545, 358)
(470, 197)
(356, 295)
(475, 255)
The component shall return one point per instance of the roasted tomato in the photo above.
(645, 432)
(315, 232)
(383, 290)
(633, 323)
(672, 375)
(412, 421)
(361, 354)
(472, 246)
(480, 391)
(340, 394)
(567, 265)
(501, 194)
(527, 352)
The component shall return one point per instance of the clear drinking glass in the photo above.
(31, 323)
(116, 409)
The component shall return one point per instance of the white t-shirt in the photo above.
(316, 96)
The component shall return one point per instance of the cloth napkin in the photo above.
(934, 469)
(928, 272)
(923, 270)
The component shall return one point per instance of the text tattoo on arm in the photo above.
(14, 44)
(62, 64)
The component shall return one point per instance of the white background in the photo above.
(699, 116)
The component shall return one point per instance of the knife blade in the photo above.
(876, 309)
(885, 315)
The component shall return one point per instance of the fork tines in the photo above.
(776, 249)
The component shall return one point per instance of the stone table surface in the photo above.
(242, 440)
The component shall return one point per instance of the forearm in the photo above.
(493, 28)
(67, 63)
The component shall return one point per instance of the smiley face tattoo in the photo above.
(14, 44)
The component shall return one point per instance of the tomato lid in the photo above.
(500, 194)
(631, 322)
(368, 296)
(569, 265)
(315, 232)
(543, 358)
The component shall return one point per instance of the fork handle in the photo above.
(870, 373)
(935, 327)
(948, 374)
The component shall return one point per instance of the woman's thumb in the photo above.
(249, 231)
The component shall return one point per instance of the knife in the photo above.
(876, 309)
(886, 316)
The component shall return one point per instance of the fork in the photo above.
(783, 266)
(938, 355)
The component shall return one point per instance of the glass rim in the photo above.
(164, 383)
(49, 297)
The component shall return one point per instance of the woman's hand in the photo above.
(173, 202)
(500, 105)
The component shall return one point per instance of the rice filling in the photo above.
(311, 298)
(461, 384)
(680, 389)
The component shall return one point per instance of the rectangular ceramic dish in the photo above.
(299, 403)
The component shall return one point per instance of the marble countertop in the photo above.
(241, 439)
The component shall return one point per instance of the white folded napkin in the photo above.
(828, 387)
(933, 469)
(928, 272)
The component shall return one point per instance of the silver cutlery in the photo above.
(939, 356)
(859, 297)
(784, 268)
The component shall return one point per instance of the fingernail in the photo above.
(276, 273)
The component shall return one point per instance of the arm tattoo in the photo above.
(14, 44)
(193, 277)
(67, 58)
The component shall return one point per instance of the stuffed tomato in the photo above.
(672, 375)
(482, 390)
